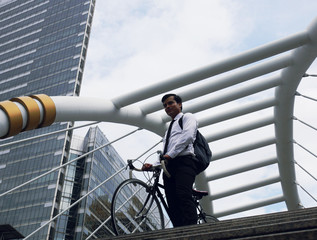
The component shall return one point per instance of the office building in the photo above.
(43, 46)
(81, 177)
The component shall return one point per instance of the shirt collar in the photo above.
(178, 116)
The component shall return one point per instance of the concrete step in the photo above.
(298, 224)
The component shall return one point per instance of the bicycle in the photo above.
(137, 206)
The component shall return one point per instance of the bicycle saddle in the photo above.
(199, 194)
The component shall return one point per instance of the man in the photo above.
(179, 151)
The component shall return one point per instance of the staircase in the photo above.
(299, 224)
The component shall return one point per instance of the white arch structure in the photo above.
(279, 66)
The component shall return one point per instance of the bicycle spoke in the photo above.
(128, 200)
(150, 214)
(134, 209)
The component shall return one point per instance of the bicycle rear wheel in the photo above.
(135, 209)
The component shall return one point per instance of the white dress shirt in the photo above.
(181, 140)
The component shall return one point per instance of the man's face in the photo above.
(172, 108)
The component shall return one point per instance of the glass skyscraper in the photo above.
(81, 177)
(43, 45)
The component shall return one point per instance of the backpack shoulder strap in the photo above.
(180, 122)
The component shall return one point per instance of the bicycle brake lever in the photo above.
(130, 164)
(159, 152)
(131, 167)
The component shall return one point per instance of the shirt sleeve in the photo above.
(182, 139)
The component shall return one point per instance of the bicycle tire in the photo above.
(207, 219)
(130, 197)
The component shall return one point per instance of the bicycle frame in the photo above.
(153, 199)
(156, 186)
(154, 189)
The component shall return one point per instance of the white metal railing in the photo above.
(63, 165)
(306, 149)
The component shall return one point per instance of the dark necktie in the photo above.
(168, 136)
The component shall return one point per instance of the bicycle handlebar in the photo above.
(164, 169)
(163, 163)
(152, 168)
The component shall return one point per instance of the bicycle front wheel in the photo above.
(207, 219)
(135, 208)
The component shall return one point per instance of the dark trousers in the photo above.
(178, 190)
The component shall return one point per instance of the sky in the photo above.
(135, 43)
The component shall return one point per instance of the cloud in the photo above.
(141, 47)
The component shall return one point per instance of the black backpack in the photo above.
(201, 149)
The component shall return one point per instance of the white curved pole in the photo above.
(285, 94)
(69, 108)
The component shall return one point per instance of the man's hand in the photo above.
(167, 157)
(146, 167)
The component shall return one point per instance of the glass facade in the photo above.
(43, 47)
(83, 176)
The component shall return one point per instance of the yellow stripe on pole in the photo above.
(15, 118)
(32, 109)
(49, 109)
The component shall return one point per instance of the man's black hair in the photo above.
(177, 98)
